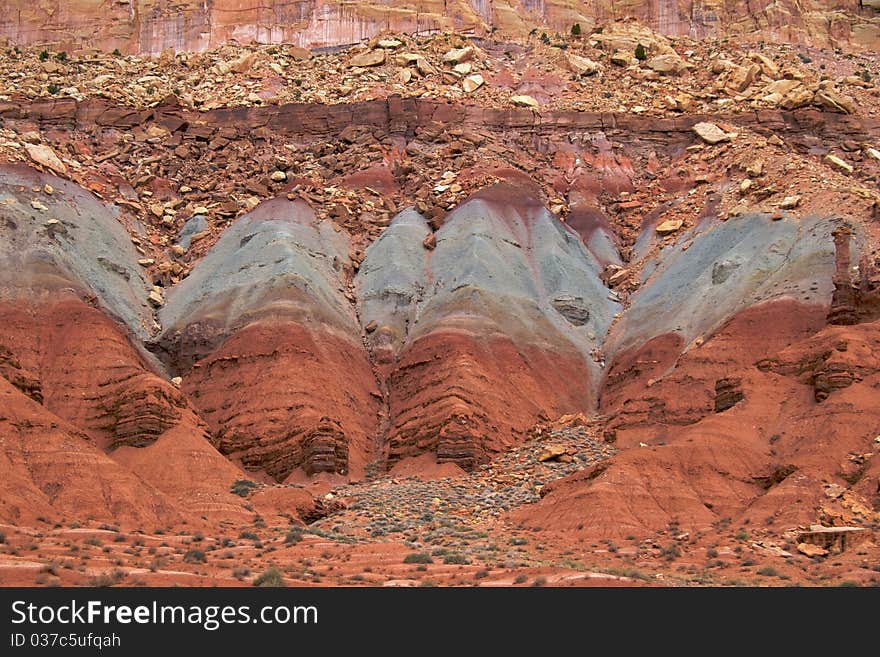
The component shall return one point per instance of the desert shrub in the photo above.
(270, 577)
(242, 487)
(195, 556)
(456, 559)
(418, 557)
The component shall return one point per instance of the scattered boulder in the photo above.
(459, 55)
(812, 550)
(710, 133)
(45, 156)
(790, 202)
(524, 101)
(196, 225)
(669, 226)
(839, 163)
(552, 453)
(741, 78)
(669, 64)
(581, 65)
(366, 59)
(835, 102)
(768, 66)
(471, 83)
(621, 58)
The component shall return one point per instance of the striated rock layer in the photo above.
(722, 383)
(270, 349)
(151, 26)
(744, 407)
(482, 327)
(765, 461)
(80, 391)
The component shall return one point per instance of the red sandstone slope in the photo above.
(768, 459)
(81, 366)
(52, 470)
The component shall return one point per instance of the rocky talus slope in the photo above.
(151, 26)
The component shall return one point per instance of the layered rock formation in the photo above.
(768, 460)
(700, 312)
(153, 25)
(482, 327)
(73, 312)
(746, 409)
(270, 349)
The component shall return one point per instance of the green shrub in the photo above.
(53, 88)
(195, 556)
(44, 55)
(418, 557)
(641, 54)
(456, 559)
(294, 536)
(242, 487)
(670, 552)
(576, 29)
(271, 577)
(249, 535)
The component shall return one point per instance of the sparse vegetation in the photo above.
(418, 557)
(271, 577)
(456, 559)
(242, 487)
(294, 536)
(109, 578)
(670, 552)
(195, 556)
(768, 571)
